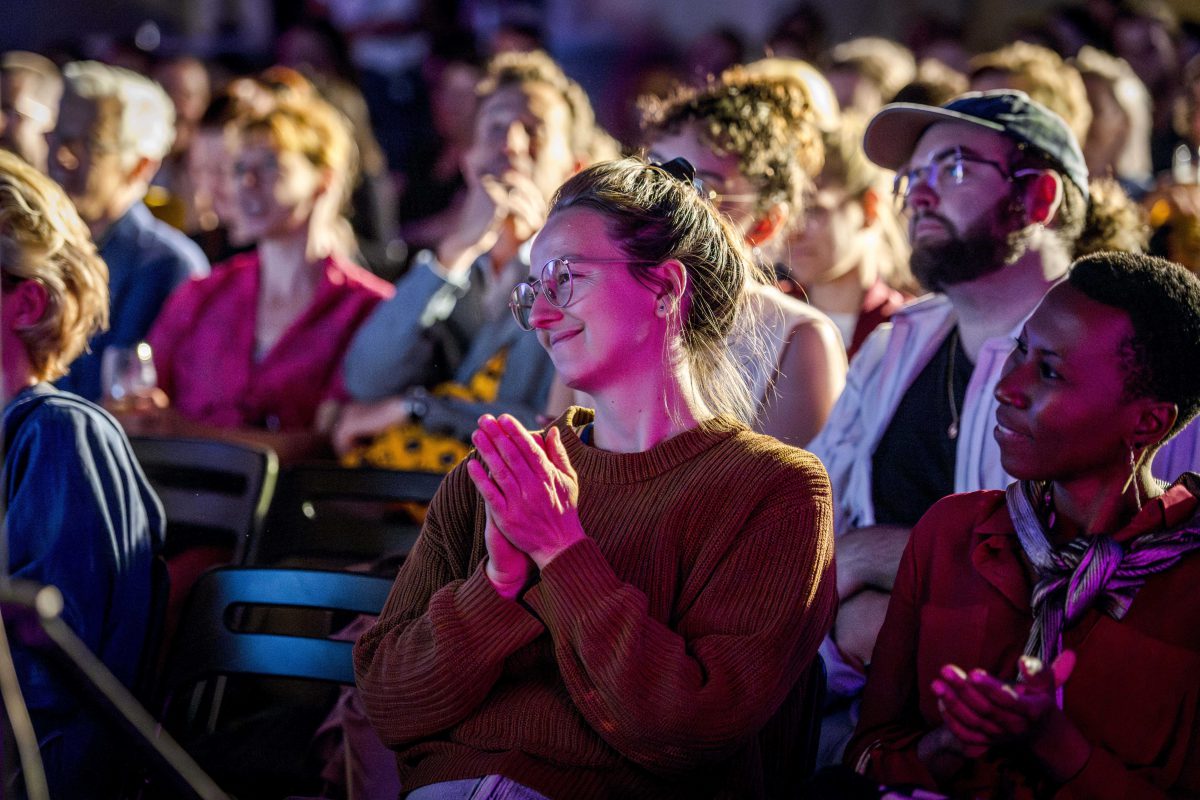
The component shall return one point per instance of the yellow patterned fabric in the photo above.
(412, 447)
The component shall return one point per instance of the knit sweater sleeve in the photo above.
(672, 697)
(443, 636)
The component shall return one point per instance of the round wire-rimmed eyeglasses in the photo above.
(952, 167)
(556, 285)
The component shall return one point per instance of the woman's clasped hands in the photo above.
(530, 492)
(981, 711)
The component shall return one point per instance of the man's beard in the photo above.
(990, 246)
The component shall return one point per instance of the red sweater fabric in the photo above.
(962, 596)
(646, 659)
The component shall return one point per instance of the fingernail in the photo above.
(938, 687)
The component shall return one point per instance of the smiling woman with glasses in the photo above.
(618, 605)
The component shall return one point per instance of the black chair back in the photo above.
(330, 517)
(213, 492)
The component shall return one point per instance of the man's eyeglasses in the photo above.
(950, 168)
(556, 285)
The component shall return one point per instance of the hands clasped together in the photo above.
(980, 712)
(530, 492)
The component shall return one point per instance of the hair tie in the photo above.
(682, 170)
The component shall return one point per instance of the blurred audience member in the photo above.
(209, 163)
(387, 45)
(826, 110)
(445, 350)
(114, 129)
(937, 36)
(1174, 211)
(254, 352)
(1184, 163)
(185, 80)
(1115, 221)
(849, 253)
(1040, 73)
(755, 147)
(1145, 33)
(935, 84)
(712, 53)
(313, 46)
(1118, 140)
(867, 72)
(799, 34)
(372, 204)
(30, 90)
(78, 512)
(434, 190)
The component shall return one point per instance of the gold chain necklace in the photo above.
(952, 430)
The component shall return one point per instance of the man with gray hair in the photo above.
(114, 128)
(30, 88)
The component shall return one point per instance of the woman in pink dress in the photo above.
(254, 351)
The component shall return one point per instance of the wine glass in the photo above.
(128, 377)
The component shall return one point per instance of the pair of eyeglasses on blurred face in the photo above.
(556, 284)
(947, 169)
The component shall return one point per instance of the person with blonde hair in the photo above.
(78, 512)
(1042, 74)
(590, 611)
(30, 88)
(114, 129)
(1118, 140)
(868, 71)
(254, 352)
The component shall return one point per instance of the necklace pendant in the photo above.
(952, 431)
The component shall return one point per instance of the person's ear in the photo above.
(870, 205)
(770, 223)
(144, 170)
(1154, 421)
(673, 282)
(29, 304)
(1043, 197)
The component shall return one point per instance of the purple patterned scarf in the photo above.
(1090, 570)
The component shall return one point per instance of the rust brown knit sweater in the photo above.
(645, 659)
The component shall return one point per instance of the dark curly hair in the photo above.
(1162, 300)
(768, 123)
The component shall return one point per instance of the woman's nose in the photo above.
(543, 312)
(1010, 388)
